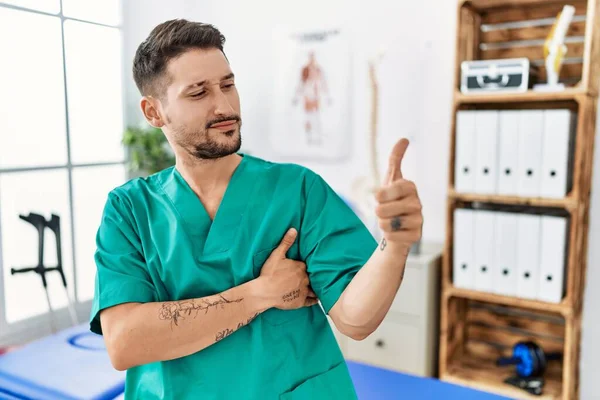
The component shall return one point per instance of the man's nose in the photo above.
(222, 105)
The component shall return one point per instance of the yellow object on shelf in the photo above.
(555, 49)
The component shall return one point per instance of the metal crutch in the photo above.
(39, 222)
(54, 225)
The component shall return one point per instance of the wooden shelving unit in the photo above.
(568, 203)
(478, 327)
(529, 96)
(563, 308)
(478, 373)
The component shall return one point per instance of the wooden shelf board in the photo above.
(487, 4)
(529, 96)
(483, 374)
(559, 308)
(567, 203)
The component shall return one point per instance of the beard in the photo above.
(211, 149)
(201, 145)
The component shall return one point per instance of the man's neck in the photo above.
(208, 178)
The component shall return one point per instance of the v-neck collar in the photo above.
(209, 236)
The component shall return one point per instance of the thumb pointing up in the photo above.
(394, 171)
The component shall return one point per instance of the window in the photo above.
(60, 144)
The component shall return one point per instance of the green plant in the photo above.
(149, 151)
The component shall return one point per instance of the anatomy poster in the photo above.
(311, 103)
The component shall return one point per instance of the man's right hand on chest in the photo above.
(285, 280)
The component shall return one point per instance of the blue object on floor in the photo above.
(374, 383)
(6, 396)
(71, 364)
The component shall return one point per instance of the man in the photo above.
(209, 272)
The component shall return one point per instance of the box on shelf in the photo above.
(514, 75)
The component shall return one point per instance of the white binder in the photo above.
(505, 254)
(508, 160)
(528, 255)
(464, 164)
(463, 262)
(558, 132)
(486, 151)
(531, 128)
(553, 259)
(484, 250)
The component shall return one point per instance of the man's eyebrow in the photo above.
(228, 76)
(202, 83)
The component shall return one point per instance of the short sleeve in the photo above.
(121, 272)
(333, 241)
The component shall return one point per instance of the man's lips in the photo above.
(225, 124)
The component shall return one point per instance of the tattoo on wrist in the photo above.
(291, 296)
(223, 334)
(175, 311)
(383, 244)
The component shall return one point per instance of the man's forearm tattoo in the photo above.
(223, 334)
(247, 321)
(291, 296)
(383, 244)
(177, 310)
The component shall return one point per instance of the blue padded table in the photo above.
(374, 383)
(5, 396)
(71, 364)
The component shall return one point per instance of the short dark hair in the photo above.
(165, 42)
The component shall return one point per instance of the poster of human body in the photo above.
(311, 103)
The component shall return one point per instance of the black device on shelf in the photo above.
(531, 362)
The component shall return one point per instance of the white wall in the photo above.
(416, 93)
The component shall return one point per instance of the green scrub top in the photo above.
(157, 243)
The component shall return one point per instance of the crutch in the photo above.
(54, 225)
(40, 223)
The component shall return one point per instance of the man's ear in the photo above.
(150, 109)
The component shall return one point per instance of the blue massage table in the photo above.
(73, 364)
(374, 383)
